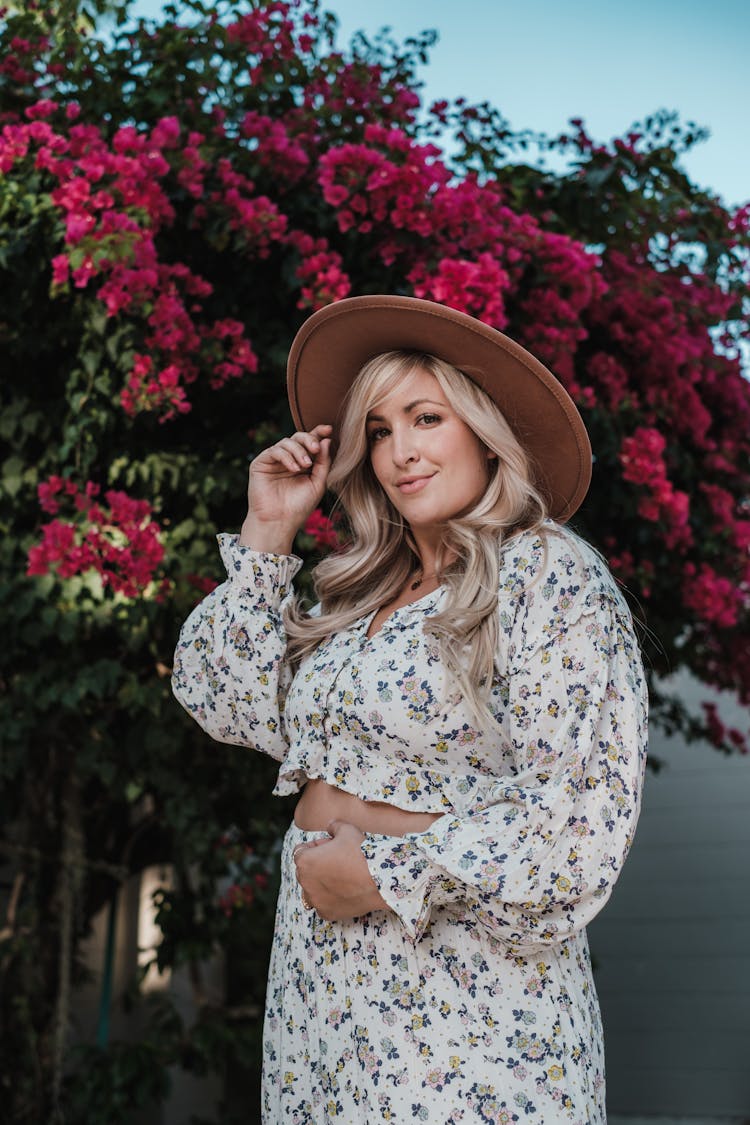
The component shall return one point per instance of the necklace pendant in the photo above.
(417, 584)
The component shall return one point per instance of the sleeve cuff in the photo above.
(263, 575)
(408, 883)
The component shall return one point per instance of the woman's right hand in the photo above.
(286, 482)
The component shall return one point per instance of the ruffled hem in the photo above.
(423, 791)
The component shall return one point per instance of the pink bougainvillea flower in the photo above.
(119, 540)
(322, 529)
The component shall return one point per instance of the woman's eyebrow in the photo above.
(407, 409)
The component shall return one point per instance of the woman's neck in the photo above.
(427, 546)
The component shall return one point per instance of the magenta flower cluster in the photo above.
(116, 538)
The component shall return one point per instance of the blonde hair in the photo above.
(381, 554)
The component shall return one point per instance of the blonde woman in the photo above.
(464, 715)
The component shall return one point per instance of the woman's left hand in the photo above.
(334, 875)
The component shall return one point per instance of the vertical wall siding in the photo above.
(672, 947)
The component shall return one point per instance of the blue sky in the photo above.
(542, 62)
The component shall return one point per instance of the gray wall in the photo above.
(672, 948)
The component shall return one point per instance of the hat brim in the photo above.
(333, 345)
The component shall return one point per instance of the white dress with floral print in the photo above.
(471, 998)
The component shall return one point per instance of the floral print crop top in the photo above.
(539, 804)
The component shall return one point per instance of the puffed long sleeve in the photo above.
(230, 671)
(538, 859)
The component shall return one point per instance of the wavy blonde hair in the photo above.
(381, 554)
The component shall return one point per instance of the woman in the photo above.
(464, 715)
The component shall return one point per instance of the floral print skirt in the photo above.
(363, 1026)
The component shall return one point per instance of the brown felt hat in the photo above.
(334, 344)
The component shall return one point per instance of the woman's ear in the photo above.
(491, 455)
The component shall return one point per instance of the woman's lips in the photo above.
(413, 484)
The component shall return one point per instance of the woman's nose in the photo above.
(404, 448)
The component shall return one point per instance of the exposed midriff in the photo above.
(322, 802)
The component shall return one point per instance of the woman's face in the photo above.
(429, 463)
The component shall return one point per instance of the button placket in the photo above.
(350, 648)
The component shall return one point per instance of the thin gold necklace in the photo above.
(424, 578)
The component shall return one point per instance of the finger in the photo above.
(299, 854)
(296, 448)
(295, 453)
(310, 442)
(286, 455)
(304, 446)
(322, 464)
(344, 828)
(305, 847)
(273, 459)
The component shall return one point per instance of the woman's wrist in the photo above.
(268, 538)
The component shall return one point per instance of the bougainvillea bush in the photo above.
(175, 197)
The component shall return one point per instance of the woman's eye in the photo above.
(429, 419)
(376, 435)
